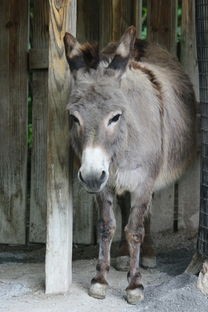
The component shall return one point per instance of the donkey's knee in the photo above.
(134, 237)
(106, 229)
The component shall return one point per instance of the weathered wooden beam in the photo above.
(13, 121)
(62, 18)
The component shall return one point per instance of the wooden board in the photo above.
(13, 121)
(116, 16)
(62, 18)
(162, 23)
(38, 198)
(88, 20)
(189, 185)
(162, 29)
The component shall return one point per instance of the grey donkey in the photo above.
(132, 125)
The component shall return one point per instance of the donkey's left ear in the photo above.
(79, 56)
(124, 50)
(73, 53)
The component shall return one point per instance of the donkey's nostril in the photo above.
(102, 177)
(81, 178)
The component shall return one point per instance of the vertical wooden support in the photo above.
(162, 23)
(38, 53)
(62, 17)
(189, 185)
(13, 121)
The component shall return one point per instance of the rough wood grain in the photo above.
(162, 23)
(189, 185)
(38, 198)
(13, 121)
(62, 18)
(88, 20)
(116, 16)
(162, 29)
(38, 58)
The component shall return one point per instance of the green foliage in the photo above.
(144, 20)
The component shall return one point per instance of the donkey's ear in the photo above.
(124, 50)
(73, 53)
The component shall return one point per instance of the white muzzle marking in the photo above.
(94, 171)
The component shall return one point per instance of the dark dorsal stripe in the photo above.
(157, 86)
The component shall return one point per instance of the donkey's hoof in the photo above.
(148, 262)
(133, 296)
(98, 290)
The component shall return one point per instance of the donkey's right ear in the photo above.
(73, 53)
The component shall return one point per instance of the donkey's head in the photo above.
(97, 108)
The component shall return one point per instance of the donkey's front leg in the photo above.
(106, 229)
(135, 235)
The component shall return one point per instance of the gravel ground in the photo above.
(167, 288)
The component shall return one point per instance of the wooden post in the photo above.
(62, 17)
(161, 20)
(189, 185)
(13, 121)
(38, 62)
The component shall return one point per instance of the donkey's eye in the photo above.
(75, 119)
(114, 119)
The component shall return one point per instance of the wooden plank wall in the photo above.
(38, 62)
(13, 121)
(98, 20)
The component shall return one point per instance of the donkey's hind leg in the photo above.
(148, 256)
(106, 229)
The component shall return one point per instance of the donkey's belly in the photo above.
(166, 177)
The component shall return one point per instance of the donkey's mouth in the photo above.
(93, 190)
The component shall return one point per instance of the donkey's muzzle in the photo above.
(93, 182)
